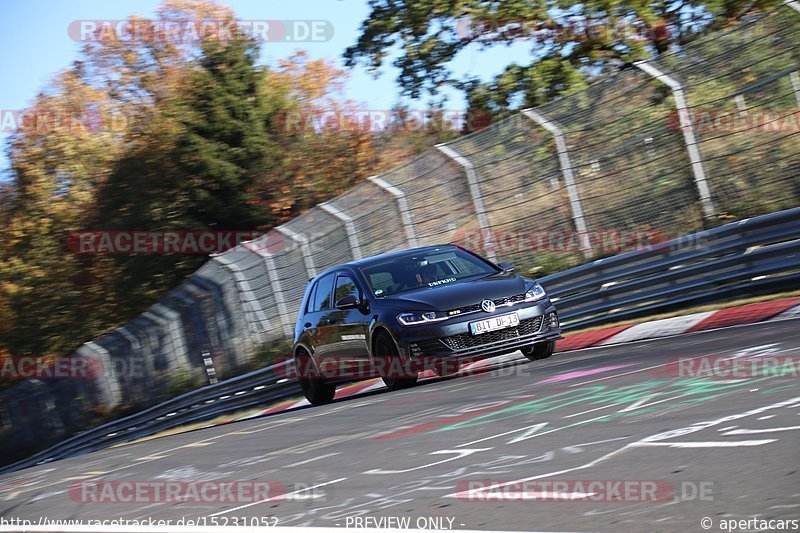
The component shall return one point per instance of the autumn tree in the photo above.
(169, 136)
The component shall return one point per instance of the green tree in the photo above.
(570, 41)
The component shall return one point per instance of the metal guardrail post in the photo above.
(301, 239)
(692, 147)
(352, 236)
(402, 205)
(569, 178)
(275, 283)
(477, 197)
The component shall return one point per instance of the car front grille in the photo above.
(477, 307)
(464, 341)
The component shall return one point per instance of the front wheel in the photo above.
(386, 349)
(540, 350)
(316, 390)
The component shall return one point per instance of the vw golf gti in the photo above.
(396, 314)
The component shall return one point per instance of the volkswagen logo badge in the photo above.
(488, 306)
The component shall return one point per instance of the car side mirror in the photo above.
(507, 267)
(350, 301)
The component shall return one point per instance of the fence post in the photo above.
(352, 236)
(402, 206)
(167, 318)
(301, 239)
(107, 385)
(275, 283)
(477, 197)
(569, 178)
(243, 285)
(136, 351)
(692, 147)
(795, 77)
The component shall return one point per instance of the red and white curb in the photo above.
(731, 316)
(744, 314)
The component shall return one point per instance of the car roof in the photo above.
(360, 263)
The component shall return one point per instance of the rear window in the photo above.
(424, 270)
(310, 302)
(322, 294)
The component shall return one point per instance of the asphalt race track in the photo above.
(459, 450)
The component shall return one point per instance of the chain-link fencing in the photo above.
(692, 139)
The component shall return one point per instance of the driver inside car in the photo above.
(427, 274)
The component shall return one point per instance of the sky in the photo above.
(35, 45)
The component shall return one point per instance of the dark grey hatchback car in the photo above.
(396, 314)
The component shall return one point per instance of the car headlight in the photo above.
(535, 293)
(421, 317)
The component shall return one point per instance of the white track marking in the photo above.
(155, 456)
(459, 455)
(278, 497)
(638, 404)
(593, 410)
(653, 438)
(753, 431)
(312, 459)
(530, 429)
(706, 444)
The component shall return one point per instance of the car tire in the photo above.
(317, 391)
(385, 347)
(540, 350)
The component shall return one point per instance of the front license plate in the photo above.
(494, 323)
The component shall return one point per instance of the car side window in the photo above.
(311, 295)
(322, 295)
(344, 287)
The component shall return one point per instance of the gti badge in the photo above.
(488, 306)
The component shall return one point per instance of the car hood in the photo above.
(462, 293)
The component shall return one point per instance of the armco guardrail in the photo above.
(740, 258)
(259, 387)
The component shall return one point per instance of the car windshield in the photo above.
(424, 270)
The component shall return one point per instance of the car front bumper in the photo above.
(452, 339)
